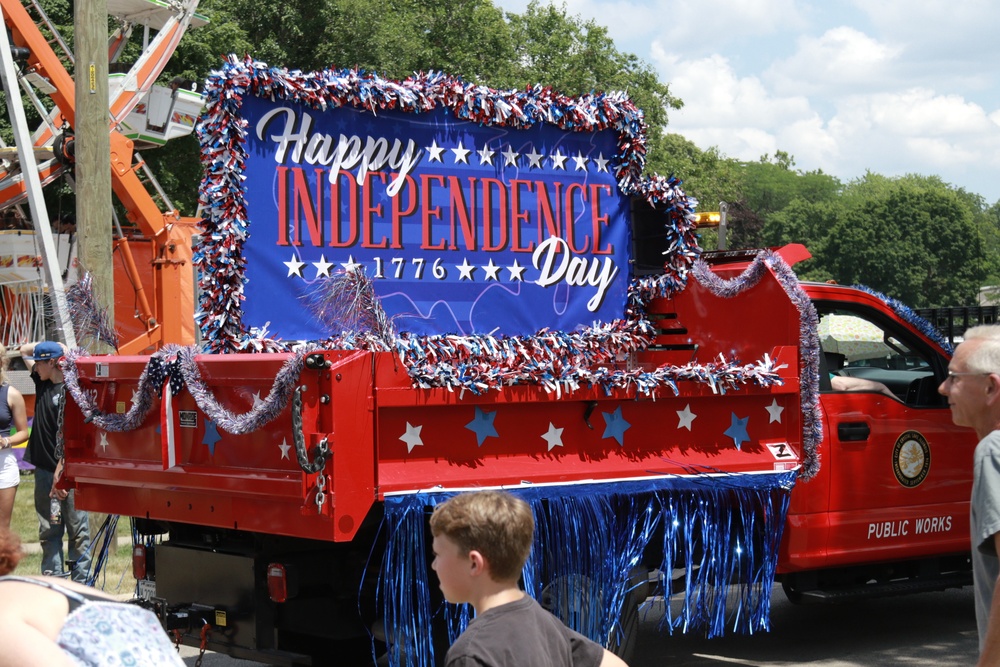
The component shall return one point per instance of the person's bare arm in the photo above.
(847, 383)
(612, 660)
(19, 416)
(27, 353)
(25, 646)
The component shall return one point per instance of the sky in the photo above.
(846, 86)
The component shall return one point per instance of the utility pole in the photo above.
(93, 152)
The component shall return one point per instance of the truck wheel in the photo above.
(793, 594)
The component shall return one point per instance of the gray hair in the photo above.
(985, 357)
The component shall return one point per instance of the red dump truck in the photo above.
(690, 443)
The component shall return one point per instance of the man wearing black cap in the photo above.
(56, 508)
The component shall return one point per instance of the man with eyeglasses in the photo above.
(973, 391)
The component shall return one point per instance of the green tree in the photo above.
(912, 237)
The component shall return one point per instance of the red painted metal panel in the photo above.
(386, 437)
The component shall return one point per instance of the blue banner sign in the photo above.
(464, 228)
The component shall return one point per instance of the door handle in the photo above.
(853, 431)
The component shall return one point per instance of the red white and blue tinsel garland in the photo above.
(557, 360)
(171, 369)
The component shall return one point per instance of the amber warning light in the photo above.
(711, 219)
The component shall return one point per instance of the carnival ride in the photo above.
(152, 249)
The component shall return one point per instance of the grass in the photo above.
(116, 575)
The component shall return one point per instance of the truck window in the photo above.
(857, 346)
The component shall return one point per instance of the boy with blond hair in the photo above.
(481, 543)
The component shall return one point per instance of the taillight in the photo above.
(139, 561)
(277, 582)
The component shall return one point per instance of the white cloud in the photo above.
(891, 86)
(843, 58)
(738, 114)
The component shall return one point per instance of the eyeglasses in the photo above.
(952, 375)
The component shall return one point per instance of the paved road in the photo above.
(931, 629)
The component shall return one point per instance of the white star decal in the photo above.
(350, 265)
(434, 152)
(412, 437)
(510, 157)
(294, 266)
(774, 410)
(581, 162)
(284, 447)
(602, 164)
(492, 270)
(104, 442)
(553, 436)
(322, 267)
(686, 417)
(465, 269)
(516, 272)
(486, 155)
(257, 400)
(558, 160)
(461, 154)
(535, 159)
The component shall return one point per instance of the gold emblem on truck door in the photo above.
(911, 459)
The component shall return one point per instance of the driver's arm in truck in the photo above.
(846, 383)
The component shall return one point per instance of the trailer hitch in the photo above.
(181, 621)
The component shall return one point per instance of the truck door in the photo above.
(900, 471)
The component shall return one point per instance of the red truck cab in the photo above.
(887, 512)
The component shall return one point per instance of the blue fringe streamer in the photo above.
(722, 529)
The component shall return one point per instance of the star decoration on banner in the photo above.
(257, 400)
(465, 269)
(486, 155)
(558, 160)
(434, 152)
(461, 154)
(412, 437)
(581, 161)
(738, 430)
(284, 447)
(510, 157)
(483, 426)
(322, 267)
(350, 265)
(492, 270)
(104, 442)
(615, 425)
(602, 164)
(211, 436)
(686, 417)
(295, 266)
(516, 272)
(774, 411)
(553, 436)
(535, 159)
